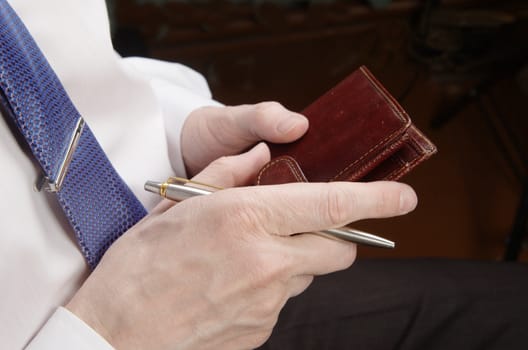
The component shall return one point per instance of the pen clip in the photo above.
(182, 181)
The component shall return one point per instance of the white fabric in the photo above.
(131, 105)
(65, 331)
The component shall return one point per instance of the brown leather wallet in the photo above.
(358, 132)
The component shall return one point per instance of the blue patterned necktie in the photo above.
(99, 205)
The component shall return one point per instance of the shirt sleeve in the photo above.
(179, 90)
(64, 330)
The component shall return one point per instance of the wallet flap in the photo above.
(358, 132)
(415, 150)
(358, 108)
(283, 169)
(359, 169)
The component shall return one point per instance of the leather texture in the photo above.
(358, 132)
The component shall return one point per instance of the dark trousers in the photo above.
(410, 304)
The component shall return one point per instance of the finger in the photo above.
(229, 171)
(233, 171)
(268, 121)
(316, 255)
(225, 131)
(305, 207)
(298, 284)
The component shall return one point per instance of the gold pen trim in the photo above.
(163, 189)
(183, 181)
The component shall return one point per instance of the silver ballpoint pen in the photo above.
(179, 189)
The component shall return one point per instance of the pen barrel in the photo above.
(360, 237)
(181, 192)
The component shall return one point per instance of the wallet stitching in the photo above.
(294, 169)
(404, 166)
(409, 165)
(289, 163)
(379, 156)
(398, 114)
(384, 154)
(398, 110)
(430, 148)
(423, 152)
(363, 157)
(397, 172)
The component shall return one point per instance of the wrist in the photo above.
(88, 313)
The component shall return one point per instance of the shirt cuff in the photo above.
(64, 330)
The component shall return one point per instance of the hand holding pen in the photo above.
(231, 259)
(179, 189)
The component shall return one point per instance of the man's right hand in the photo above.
(213, 272)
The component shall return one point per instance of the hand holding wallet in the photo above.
(358, 132)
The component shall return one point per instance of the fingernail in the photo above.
(408, 200)
(286, 125)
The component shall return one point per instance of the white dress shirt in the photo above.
(123, 101)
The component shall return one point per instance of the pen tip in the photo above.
(152, 186)
(385, 243)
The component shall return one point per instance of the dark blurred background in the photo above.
(459, 67)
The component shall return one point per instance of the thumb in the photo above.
(228, 171)
(268, 121)
(212, 132)
(234, 171)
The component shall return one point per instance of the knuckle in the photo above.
(222, 162)
(254, 214)
(265, 109)
(269, 106)
(304, 282)
(261, 337)
(337, 204)
(270, 307)
(349, 256)
(224, 166)
(387, 201)
(269, 271)
(266, 269)
(245, 214)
